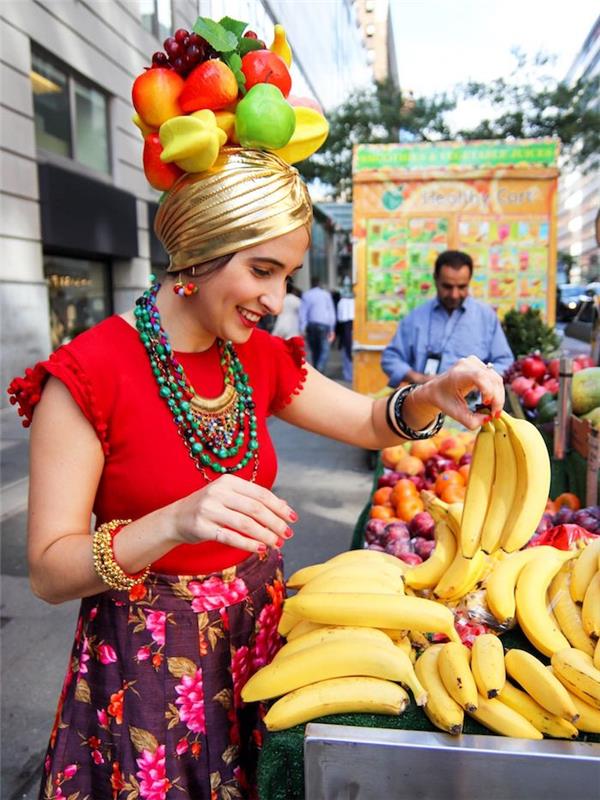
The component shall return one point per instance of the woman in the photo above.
(155, 422)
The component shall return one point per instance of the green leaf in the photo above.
(235, 26)
(234, 62)
(246, 45)
(220, 39)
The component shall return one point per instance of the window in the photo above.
(369, 5)
(78, 292)
(71, 115)
(370, 29)
(157, 18)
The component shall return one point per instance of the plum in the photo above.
(422, 524)
(419, 481)
(396, 547)
(410, 558)
(546, 522)
(396, 531)
(423, 547)
(563, 515)
(374, 530)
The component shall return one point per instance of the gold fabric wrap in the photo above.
(245, 198)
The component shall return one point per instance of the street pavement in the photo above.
(326, 482)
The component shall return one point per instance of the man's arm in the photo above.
(500, 355)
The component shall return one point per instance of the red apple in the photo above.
(554, 367)
(263, 66)
(159, 175)
(532, 396)
(585, 362)
(210, 85)
(533, 367)
(551, 385)
(521, 384)
(155, 95)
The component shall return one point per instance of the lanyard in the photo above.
(451, 332)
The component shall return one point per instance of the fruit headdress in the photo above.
(219, 86)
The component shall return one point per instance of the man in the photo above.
(451, 326)
(317, 322)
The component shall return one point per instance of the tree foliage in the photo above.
(377, 114)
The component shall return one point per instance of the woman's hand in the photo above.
(235, 512)
(448, 391)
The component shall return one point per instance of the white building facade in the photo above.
(76, 240)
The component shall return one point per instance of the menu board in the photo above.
(511, 260)
(400, 257)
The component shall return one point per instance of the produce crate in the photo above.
(580, 435)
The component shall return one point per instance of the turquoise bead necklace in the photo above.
(214, 429)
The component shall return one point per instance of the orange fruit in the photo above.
(407, 507)
(382, 496)
(423, 449)
(453, 493)
(409, 464)
(567, 499)
(447, 477)
(402, 488)
(464, 472)
(381, 512)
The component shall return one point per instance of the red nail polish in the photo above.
(293, 516)
(279, 542)
(288, 533)
(498, 414)
(486, 420)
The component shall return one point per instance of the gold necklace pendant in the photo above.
(215, 405)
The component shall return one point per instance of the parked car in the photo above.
(586, 316)
(568, 297)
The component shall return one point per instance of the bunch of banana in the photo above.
(585, 589)
(507, 489)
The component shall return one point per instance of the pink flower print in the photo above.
(241, 669)
(70, 771)
(156, 622)
(93, 613)
(268, 641)
(79, 630)
(182, 746)
(143, 654)
(214, 593)
(224, 618)
(97, 757)
(191, 702)
(84, 656)
(106, 654)
(47, 765)
(102, 715)
(152, 774)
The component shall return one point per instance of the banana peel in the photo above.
(192, 141)
(280, 45)
(311, 131)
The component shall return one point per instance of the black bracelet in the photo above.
(396, 422)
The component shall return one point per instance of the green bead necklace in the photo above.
(213, 429)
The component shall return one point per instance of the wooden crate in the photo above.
(580, 435)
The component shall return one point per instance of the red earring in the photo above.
(184, 290)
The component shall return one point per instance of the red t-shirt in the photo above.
(147, 465)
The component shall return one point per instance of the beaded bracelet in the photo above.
(395, 420)
(105, 563)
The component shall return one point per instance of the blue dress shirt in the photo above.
(317, 306)
(473, 329)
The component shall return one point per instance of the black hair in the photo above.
(453, 258)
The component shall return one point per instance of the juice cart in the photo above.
(495, 200)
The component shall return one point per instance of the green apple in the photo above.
(264, 119)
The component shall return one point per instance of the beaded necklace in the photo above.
(216, 428)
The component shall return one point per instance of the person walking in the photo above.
(453, 325)
(317, 322)
(154, 423)
(345, 317)
(287, 323)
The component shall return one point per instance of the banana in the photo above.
(584, 569)
(328, 633)
(503, 491)
(501, 719)
(287, 622)
(456, 675)
(375, 611)
(444, 712)
(330, 660)
(479, 487)
(455, 512)
(540, 718)
(589, 717)
(540, 684)
(434, 505)
(596, 655)
(530, 596)
(567, 612)
(500, 583)
(341, 569)
(576, 671)
(430, 572)
(462, 576)
(336, 696)
(590, 610)
(344, 584)
(487, 664)
(403, 643)
(302, 627)
(533, 483)
(366, 557)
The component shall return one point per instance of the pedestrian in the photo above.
(287, 323)
(155, 422)
(345, 317)
(317, 322)
(452, 326)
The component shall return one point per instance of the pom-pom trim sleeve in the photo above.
(291, 371)
(25, 392)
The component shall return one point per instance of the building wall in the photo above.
(377, 33)
(106, 44)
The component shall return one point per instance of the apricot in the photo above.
(423, 449)
(409, 464)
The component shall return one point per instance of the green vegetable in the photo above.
(526, 332)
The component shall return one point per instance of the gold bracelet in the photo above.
(105, 564)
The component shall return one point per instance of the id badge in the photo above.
(432, 364)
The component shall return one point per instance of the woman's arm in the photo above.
(329, 409)
(66, 463)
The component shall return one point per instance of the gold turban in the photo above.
(246, 197)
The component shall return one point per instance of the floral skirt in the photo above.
(151, 707)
